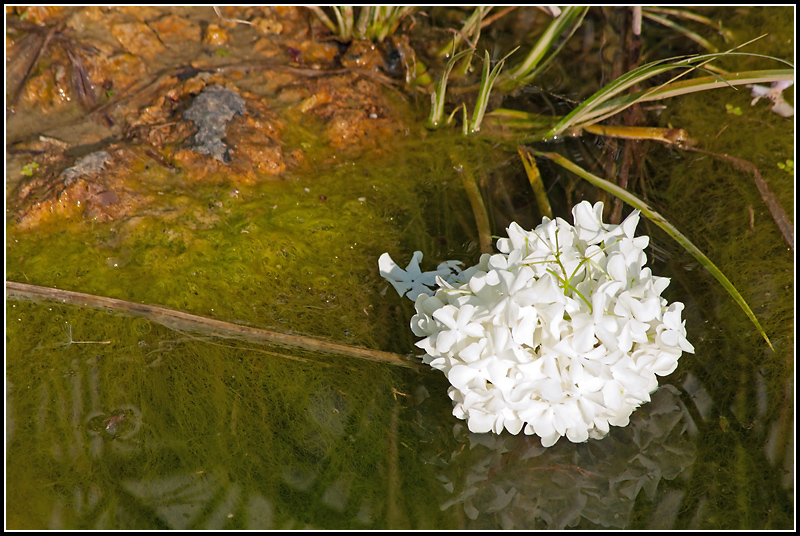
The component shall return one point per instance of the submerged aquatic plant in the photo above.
(562, 333)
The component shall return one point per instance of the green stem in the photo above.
(476, 200)
(535, 178)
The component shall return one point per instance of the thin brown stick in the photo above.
(488, 20)
(180, 321)
(776, 209)
(32, 66)
(80, 79)
(233, 21)
(671, 136)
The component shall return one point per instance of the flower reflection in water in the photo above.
(515, 483)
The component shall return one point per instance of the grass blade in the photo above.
(344, 17)
(522, 73)
(659, 220)
(475, 199)
(535, 178)
(319, 13)
(690, 15)
(487, 81)
(470, 30)
(627, 80)
(439, 94)
(694, 36)
(685, 87)
(588, 109)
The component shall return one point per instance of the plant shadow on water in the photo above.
(118, 422)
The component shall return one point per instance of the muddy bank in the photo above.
(98, 96)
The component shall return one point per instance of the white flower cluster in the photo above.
(563, 332)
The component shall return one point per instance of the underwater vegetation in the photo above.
(203, 204)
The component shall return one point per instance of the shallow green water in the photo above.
(228, 434)
(225, 434)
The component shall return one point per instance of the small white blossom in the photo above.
(775, 94)
(561, 333)
(412, 282)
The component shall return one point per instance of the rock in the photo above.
(211, 111)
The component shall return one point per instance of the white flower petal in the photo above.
(480, 422)
(514, 425)
(446, 315)
(460, 376)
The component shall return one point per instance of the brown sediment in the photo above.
(136, 72)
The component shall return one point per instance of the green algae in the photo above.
(228, 252)
(232, 435)
(196, 408)
(291, 431)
